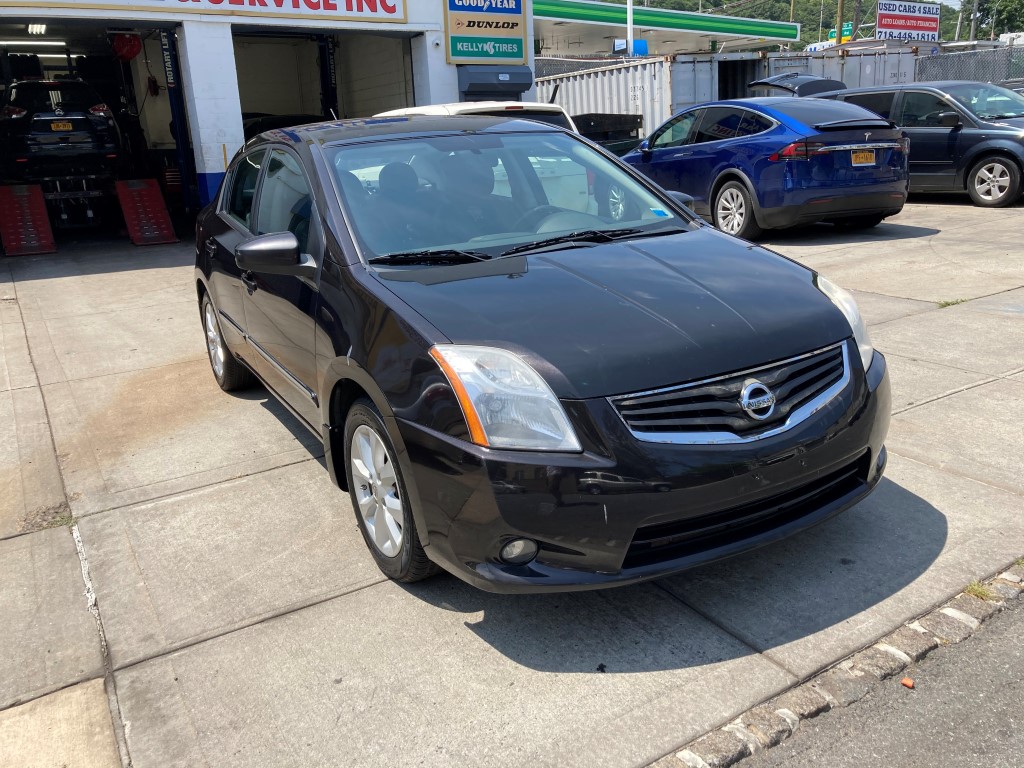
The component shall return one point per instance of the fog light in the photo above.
(519, 551)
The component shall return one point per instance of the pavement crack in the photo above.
(108, 671)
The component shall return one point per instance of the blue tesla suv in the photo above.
(770, 163)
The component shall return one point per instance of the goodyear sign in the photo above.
(485, 31)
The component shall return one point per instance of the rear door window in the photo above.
(922, 110)
(718, 123)
(242, 191)
(880, 103)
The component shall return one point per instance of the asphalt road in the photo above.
(967, 709)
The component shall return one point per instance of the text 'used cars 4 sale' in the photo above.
(516, 380)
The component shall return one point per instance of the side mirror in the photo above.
(949, 120)
(274, 254)
(685, 200)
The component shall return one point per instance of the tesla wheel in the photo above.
(734, 211)
(994, 182)
(617, 203)
(230, 374)
(379, 497)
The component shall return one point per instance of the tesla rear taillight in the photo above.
(101, 110)
(13, 112)
(798, 150)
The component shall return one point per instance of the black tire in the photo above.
(733, 211)
(859, 222)
(994, 182)
(408, 563)
(230, 374)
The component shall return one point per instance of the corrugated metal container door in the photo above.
(694, 80)
(632, 88)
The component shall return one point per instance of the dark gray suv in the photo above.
(964, 136)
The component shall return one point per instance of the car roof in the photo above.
(939, 85)
(346, 131)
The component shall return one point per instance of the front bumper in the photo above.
(683, 505)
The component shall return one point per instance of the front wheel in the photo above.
(230, 374)
(734, 211)
(994, 182)
(380, 499)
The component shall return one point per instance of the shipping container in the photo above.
(657, 88)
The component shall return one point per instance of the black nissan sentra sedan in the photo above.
(449, 304)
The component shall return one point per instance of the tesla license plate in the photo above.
(67, 127)
(864, 157)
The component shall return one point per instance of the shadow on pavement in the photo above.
(828, 234)
(99, 254)
(781, 594)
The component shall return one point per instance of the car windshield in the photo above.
(474, 196)
(988, 102)
(46, 97)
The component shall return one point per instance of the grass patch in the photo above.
(952, 303)
(1019, 561)
(980, 591)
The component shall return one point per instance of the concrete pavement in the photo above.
(243, 623)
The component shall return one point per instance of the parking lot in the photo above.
(186, 549)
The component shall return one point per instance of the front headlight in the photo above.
(506, 403)
(848, 306)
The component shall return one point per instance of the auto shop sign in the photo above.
(907, 21)
(485, 31)
(321, 10)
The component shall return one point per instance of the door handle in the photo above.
(249, 282)
(211, 247)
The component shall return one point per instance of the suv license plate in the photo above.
(864, 157)
(60, 126)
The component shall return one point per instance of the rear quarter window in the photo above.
(880, 103)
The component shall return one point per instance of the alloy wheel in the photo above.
(376, 490)
(731, 211)
(992, 181)
(617, 202)
(214, 342)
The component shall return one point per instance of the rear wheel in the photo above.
(994, 182)
(230, 374)
(734, 211)
(380, 499)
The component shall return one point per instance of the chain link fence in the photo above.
(991, 66)
(549, 66)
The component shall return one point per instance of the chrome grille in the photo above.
(709, 411)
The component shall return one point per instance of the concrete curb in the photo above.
(849, 680)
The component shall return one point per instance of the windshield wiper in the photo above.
(438, 256)
(592, 236)
(583, 236)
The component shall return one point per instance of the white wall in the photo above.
(279, 77)
(374, 73)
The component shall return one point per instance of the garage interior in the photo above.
(284, 77)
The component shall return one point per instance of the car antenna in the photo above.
(334, 114)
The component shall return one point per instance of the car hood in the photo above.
(630, 315)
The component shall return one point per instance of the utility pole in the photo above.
(839, 23)
(959, 23)
(629, 27)
(974, 22)
(856, 20)
(792, 11)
